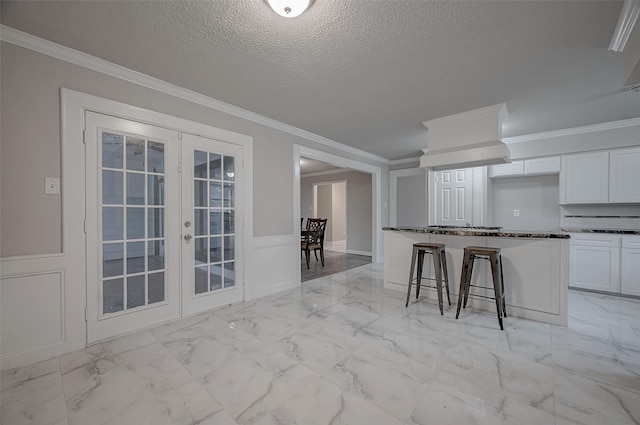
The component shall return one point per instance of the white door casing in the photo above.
(376, 189)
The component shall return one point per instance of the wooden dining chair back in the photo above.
(314, 238)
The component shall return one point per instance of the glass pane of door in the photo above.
(214, 222)
(132, 208)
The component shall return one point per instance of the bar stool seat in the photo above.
(437, 251)
(494, 256)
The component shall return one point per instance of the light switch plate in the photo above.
(52, 186)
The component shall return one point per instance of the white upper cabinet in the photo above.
(585, 178)
(542, 166)
(515, 168)
(624, 175)
(603, 177)
(528, 167)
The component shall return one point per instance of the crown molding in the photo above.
(627, 20)
(49, 48)
(612, 125)
(404, 160)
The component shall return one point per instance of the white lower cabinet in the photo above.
(595, 262)
(630, 265)
(605, 262)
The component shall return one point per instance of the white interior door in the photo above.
(132, 194)
(454, 190)
(212, 223)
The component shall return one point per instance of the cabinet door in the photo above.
(630, 262)
(595, 264)
(542, 166)
(624, 166)
(516, 168)
(586, 178)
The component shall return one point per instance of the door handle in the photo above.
(188, 237)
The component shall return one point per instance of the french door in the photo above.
(211, 223)
(152, 209)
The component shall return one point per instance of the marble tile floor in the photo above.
(343, 350)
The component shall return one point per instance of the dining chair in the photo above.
(314, 239)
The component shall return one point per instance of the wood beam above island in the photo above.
(536, 272)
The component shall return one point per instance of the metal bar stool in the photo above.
(440, 267)
(495, 258)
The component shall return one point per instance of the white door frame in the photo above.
(376, 193)
(73, 107)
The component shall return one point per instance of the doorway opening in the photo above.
(345, 197)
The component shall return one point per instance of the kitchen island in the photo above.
(535, 264)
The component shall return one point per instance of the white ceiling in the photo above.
(364, 73)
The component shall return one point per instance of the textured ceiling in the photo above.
(361, 72)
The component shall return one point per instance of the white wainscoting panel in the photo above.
(274, 265)
(32, 311)
(33, 297)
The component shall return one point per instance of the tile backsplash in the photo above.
(614, 217)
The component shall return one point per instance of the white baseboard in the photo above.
(353, 251)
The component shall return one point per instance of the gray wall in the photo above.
(536, 197)
(30, 221)
(411, 207)
(358, 205)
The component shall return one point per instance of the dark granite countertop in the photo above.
(498, 233)
(612, 231)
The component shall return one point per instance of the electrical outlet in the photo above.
(52, 186)
(516, 213)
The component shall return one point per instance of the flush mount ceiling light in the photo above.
(289, 8)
